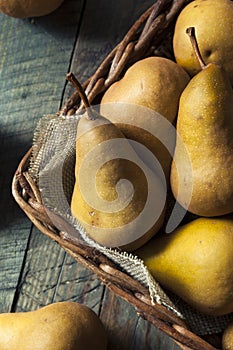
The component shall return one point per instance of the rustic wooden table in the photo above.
(35, 55)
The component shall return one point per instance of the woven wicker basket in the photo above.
(150, 35)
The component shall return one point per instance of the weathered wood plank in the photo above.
(51, 275)
(104, 25)
(35, 56)
(127, 331)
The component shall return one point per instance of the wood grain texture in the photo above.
(50, 275)
(36, 54)
(103, 27)
(127, 331)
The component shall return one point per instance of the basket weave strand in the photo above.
(134, 46)
(142, 40)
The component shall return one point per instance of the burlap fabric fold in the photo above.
(52, 168)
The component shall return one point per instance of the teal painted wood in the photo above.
(35, 56)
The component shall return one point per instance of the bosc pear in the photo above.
(227, 337)
(213, 20)
(195, 262)
(117, 199)
(59, 326)
(28, 8)
(153, 84)
(205, 126)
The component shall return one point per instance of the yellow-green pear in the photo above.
(155, 83)
(203, 184)
(227, 338)
(28, 8)
(213, 20)
(117, 199)
(58, 326)
(195, 262)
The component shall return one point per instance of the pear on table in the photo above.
(205, 125)
(28, 8)
(59, 326)
(112, 187)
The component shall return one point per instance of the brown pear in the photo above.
(195, 262)
(28, 8)
(58, 326)
(203, 183)
(213, 21)
(227, 338)
(154, 83)
(117, 199)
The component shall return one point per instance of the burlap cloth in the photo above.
(52, 167)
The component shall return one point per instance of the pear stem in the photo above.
(74, 81)
(191, 33)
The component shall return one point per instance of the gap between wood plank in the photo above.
(21, 274)
(73, 50)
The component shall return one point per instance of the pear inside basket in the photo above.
(126, 177)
